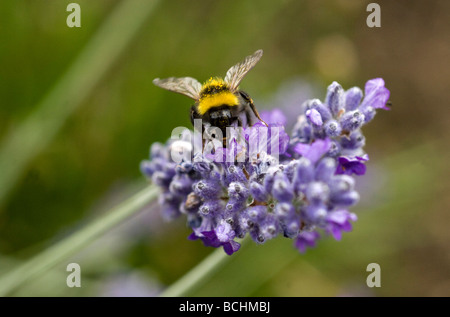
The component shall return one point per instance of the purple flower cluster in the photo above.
(301, 188)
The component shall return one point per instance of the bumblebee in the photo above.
(218, 102)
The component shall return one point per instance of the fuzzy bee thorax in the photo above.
(214, 93)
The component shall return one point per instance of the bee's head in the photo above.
(221, 118)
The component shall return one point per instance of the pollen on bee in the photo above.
(214, 82)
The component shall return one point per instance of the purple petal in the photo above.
(209, 234)
(235, 245)
(358, 168)
(228, 248)
(347, 226)
(365, 157)
(352, 165)
(231, 247)
(209, 239)
(336, 232)
(338, 217)
(314, 151)
(376, 95)
(339, 221)
(306, 239)
(193, 236)
(275, 116)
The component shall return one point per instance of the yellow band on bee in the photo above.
(216, 100)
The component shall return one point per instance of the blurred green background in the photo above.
(85, 99)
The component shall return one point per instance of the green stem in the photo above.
(200, 273)
(33, 135)
(74, 243)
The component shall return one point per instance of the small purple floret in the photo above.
(339, 221)
(376, 95)
(352, 165)
(306, 239)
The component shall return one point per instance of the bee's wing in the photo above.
(237, 72)
(187, 86)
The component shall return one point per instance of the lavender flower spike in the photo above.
(266, 182)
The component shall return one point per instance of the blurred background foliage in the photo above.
(92, 162)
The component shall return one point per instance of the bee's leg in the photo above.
(199, 128)
(248, 119)
(193, 115)
(252, 107)
(250, 116)
(239, 121)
